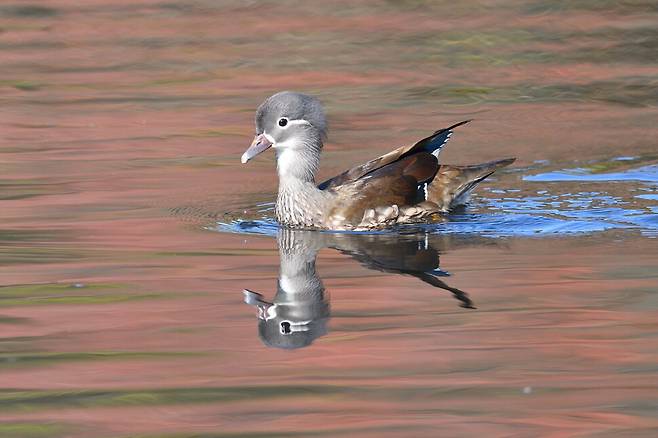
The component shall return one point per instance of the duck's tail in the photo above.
(452, 184)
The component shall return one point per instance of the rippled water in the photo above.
(146, 291)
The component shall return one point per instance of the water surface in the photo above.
(129, 230)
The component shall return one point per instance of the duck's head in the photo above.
(294, 125)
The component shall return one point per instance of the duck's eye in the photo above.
(283, 122)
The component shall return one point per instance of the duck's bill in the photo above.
(253, 298)
(260, 144)
(266, 310)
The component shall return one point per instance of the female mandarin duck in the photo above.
(407, 185)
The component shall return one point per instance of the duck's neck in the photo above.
(299, 202)
(297, 276)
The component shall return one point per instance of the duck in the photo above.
(405, 186)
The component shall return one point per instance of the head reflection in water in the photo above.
(299, 312)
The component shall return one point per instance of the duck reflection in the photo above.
(299, 312)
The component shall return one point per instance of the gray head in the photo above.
(294, 125)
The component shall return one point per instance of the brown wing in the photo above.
(393, 184)
(431, 144)
(419, 167)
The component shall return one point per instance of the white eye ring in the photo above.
(284, 122)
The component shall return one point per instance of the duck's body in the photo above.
(407, 185)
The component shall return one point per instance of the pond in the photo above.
(147, 291)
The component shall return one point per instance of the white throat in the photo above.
(297, 158)
(286, 160)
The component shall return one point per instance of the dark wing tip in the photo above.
(453, 126)
(505, 162)
(435, 142)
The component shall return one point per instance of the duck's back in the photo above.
(403, 186)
